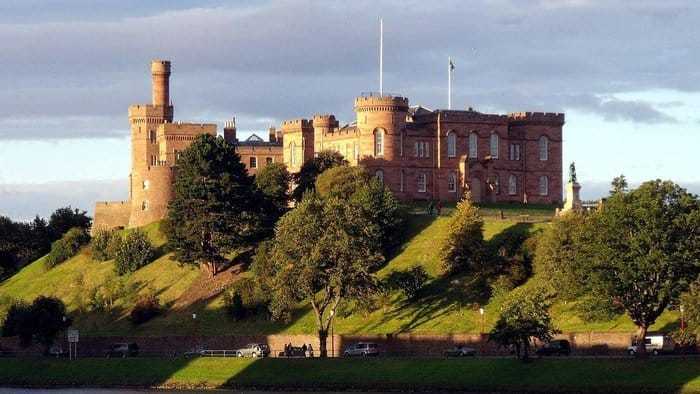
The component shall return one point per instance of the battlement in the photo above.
(150, 111)
(380, 102)
(160, 67)
(296, 124)
(553, 117)
(325, 120)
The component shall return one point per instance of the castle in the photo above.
(417, 152)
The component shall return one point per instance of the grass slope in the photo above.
(446, 307)
(502, 375)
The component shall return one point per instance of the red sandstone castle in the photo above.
(418, 153)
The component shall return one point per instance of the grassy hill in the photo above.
(446, 307)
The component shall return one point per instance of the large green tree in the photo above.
(39, 322)
(463, 249)
(66, 218)
(305, 179)
(321, 255)
(214, 208)
(273, 183)
(645, 249)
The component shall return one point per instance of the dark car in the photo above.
(122, 350)
(363, 349)
(460, 351)
(559, 347)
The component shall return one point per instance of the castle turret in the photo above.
(384, 115)
(298, 142)
(230, 131)
(160, 74)
(322, 124)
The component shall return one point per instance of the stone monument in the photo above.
(573, 201)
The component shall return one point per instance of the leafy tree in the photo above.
(619, 185)
(103, 245)
(273, 183)
(321, 256)
(18, 322)
(524, 317)
(645, 250)
(135, 251)
(214, 210)
(463, 249)
(410, 281)
(341, 181)
(40, 322)
(66, 218)
(21, 243)
(691, 307)
(305, 179)
(68, 246)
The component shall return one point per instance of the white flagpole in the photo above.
(449, 82)
(381, 56)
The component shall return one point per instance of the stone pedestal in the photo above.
(573, 201)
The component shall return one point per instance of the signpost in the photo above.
(73, 338)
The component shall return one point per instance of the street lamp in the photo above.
(194, 330)
(481, 312)
(682, 318)
(332, 337)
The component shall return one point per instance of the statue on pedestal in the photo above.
(573, 201)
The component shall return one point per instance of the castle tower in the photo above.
(323, 124)
(230, 131)
(150, 186)
(298, 139)
(385, 115)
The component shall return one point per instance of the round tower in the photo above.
(322, 124)
(160, 73)
(385, 115)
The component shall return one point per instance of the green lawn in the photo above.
(447, 307)
(553, 375)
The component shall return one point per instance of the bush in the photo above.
(104, 245)
(41, 321)
(134, 252)
(66, 247)
(464, 247)
(410, 282)
(145, 309)
(244, 298)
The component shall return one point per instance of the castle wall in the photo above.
(110, 215)
(262, 154)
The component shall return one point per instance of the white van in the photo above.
(655, 344)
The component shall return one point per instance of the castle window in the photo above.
(401, 138)
(422, 149)
(292, 153)
(544, 148)
(473, 141)
(494, 146)
(422, 182)
(144, 205)
(268, 160)
(544, 186)
(451, 144)
(512, 185)
(401, 180)
(514, 152)
(177, 154)
(153, 160)
(380, 176)
(379, 142)
(452, 182)
(146, 184)
(253, 162)
(152, 136)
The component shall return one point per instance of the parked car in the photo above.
(122, 350)
(559, 347)
(57, 351)
(254, 350)
(460, 351)
(363, 349)
(655, 344)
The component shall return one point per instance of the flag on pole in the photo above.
(452, 65)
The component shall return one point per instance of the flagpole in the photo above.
(381, 56)
(449, 82)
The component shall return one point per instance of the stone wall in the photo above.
(111, 214)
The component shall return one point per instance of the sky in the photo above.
(625, 73)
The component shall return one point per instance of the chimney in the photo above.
(230, 131)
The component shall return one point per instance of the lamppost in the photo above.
(481, 312)
(682, 318)
(332, 336)
(194, 330)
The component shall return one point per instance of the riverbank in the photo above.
(502, 375)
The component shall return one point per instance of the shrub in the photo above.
(245, 298)
(146, 308)
(134, 252)
(66, 247)
(41, 321)
(104, 245)
(410, 281)
(463, 249)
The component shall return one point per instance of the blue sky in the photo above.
(626, 76)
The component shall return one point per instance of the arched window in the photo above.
(152, 136)
(379, 142)
(494, 146)
(451, 144)
(544, 186)
(293, 153)
(473, 148)
(380, 176)
(512, 185)
(144, 205)
(422, 182)
(544, 148)
(452, 182)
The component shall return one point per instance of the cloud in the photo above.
(293, 58)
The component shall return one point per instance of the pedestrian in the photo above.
(430, 207)
(439, 207)
(311, 351)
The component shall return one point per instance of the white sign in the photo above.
(73, 335)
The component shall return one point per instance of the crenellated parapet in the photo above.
(381, 103)
(326, 121)
(555, 118)
(296, 124)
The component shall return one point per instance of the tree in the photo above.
(135, 251)
(68, 246)
(66, 218)
(305, 179)
(40, 322)
(21, 243)
(321, 256)
(214, 209)
(273, 183)
(524, 317)
(619, 185)
(691, 307)
(342, 181)
(463, 248)
(645, 250)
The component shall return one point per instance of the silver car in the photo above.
(363, 349)
(254, 350)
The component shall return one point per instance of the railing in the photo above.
(377, 94)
